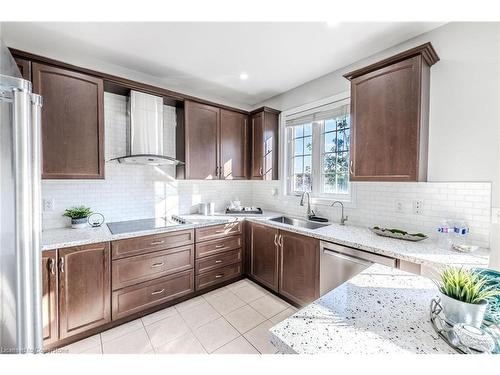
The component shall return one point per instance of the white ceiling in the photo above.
(206, 59)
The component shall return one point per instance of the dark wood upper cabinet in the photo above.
(84, 288)
(24, 67)
(72, 123)
(201, 124)
(265, 125)
(390, 117)
(233, 145)
(49, 297)
(264, 255)
(299, 268)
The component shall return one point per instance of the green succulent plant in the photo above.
(80, 212)
(466, 285)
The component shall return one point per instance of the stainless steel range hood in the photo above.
(145, 131)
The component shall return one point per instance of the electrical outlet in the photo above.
(418, 207)
(48, 205)
(495, 215)
(399, 206)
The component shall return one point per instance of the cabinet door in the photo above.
(72, 123)
(258, 146)
(299, 271)
(49, 296)
(24, 67)
(270, 155)
(84, 288)
(264, 255)
(201, 129)
(233, 145)
(385, 118)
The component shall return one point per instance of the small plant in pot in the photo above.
(464, 295)
(78, 216)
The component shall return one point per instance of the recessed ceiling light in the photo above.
(243, 76)
(332, 23)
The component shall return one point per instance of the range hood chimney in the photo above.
(145, 131)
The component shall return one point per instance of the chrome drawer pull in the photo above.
(219, 276)
(157, 292)
(156, 265)
(220, 231)
(220, 246)
(218, 261)
(157, 242)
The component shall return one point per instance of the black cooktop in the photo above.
(129, 226)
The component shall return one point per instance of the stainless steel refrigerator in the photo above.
(20, 210)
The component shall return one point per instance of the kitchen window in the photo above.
(317, 151)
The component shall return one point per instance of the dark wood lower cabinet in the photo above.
(264, 255)
(49, 297)
(142, 296)
(84, 288)
(299, 268)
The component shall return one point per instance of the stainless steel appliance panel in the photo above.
(340, 263)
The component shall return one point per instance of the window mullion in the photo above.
(316, 158)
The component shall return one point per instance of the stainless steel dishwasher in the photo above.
(340, 263)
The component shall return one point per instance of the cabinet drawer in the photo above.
(218, 260)
(140, 268)
(136, 298)
(217, 276)
(148, 244)
(218, 231)
(218, 246)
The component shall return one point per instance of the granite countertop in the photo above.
(67, 237)
(381, 310)
(423, 252)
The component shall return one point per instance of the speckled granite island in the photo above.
(380, 311)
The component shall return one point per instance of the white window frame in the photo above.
(318, 143)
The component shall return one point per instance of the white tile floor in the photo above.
(234, 319)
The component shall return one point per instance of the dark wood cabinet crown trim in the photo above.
(112, 82)
(426, 50)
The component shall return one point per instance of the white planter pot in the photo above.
(79, 223)
(457, 311)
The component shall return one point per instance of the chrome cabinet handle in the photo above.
(52, 266)
(156, 265)
(219, 276)
(218, 261)
(280, 240)
(157, 242)
(220, 231)
(351, 167)
(275, 238)
(260, 171)
(61, 264)
(220, 246)
(157, 292)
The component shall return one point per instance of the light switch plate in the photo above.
(418, 207)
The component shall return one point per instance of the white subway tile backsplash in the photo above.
(374, 203)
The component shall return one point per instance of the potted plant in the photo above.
(78, 216)
(464, 295)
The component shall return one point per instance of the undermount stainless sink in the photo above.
(298, 222)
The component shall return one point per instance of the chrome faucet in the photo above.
(310, 213)
(343, 218)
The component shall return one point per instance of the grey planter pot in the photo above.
(79, 223)
(457, 311)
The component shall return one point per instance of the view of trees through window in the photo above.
(330, 145)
